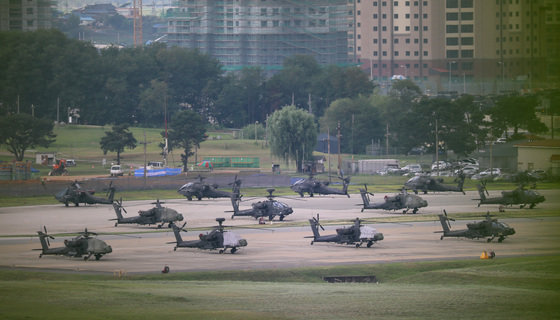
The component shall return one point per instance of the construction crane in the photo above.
(137, 23)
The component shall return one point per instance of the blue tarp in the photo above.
(158, 172)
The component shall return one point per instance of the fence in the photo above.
(15, 170)
(234, 162)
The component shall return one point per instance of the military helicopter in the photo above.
(218, 238)
(355, 234)
(476, 230)
(519, 196)
(427, 183)
(402, 200)
(82, 245)
(201, 190)
(153, 216)
(313, 186)
(267, 208)
(75, 194)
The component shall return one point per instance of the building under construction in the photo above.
(262, 33)
(26, 15)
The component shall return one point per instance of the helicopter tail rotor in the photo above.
(318, 223)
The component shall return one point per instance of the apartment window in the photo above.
(452, 53)
(467, 65)
(375, 53)
(425, 53)
(469, 41)
(374, 41)
(407, 15)
(467, 16)
(425, 3)
(375, 28)
(452, 3)
(359, 13)
(276, 23)
(416, 53)
(466, 3)
(359, 48)
(425, 16)
(396, 16)
(384, 28)
(384, 41)
(467, 28)
(375, 5)
(384, 3)
(384, 16)
(425, 28)
(264, 23)
(396, 28)
(416, 16)
(407, 53)
(396, 41)
(407, 3)
(29, 10)
(425, 40)
(396, 53)
(263, 11)
(407, 28)
(396, 4)
(451, 28)
(375, 17)
(467, 53)
(415, 28)
(416, 40)
(452, 16)
(384, 53)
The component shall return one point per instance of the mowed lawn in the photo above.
(508, 288)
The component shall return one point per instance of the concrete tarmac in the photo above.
(283, 248)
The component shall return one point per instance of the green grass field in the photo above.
(502, 288)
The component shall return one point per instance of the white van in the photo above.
(116, 170)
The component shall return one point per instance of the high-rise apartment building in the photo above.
(26, 15)
(474, 46)
(262, 32)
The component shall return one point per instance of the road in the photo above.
(284, 248)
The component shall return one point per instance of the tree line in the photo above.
(43, 73)
(50, 73)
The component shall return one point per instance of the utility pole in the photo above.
(387, 134)
(437, 149)
(329, 151)
(338, 135)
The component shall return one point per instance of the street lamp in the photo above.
(501, 63)
(256, 124)
(449, 69)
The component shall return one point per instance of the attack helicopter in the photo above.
(486, 228)
(427, 183)
(356, 234)
(313, 186)
(157, 214)
(402, 200)
(267, 208)
(200, 190)
(82, 245)
(76, 194)
(218, 238)
(519, 196)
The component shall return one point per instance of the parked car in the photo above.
(468, 170)
(488, 173)
(442, 165)
(116, 170)
(501, 140)
(70, 163)
(412, 168)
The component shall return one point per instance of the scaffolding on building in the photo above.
(252, 32)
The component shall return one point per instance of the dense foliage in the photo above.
(20, 132)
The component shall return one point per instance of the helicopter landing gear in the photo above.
(66, 203)
(358, 245)
(311, 242)
(159, 226)
(500, 239)
(175, 249)
(116, 223)
(281, 218)
(232, 216)
(221, 251)
(441, 238)
(98, 256)
(414, 211)
(40, 256)
(189, 198)
(169, 225)
(233, 250)
(369, 244)
(532, 205)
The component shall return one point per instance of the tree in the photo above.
(186, 130)
(20, 132)
(518, 112)
(118, 139)
(293, 134)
